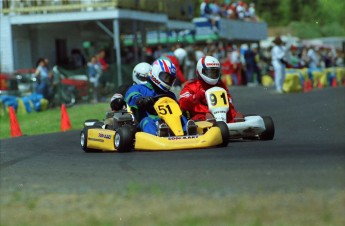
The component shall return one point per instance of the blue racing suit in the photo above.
(147, 118)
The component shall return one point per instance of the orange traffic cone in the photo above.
(319, 84)
(65, 122)
(307, 86)
(15, 129)
(334, 82)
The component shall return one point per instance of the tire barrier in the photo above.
(22, 105)
(304, 80)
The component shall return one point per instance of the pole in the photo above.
(116, 37)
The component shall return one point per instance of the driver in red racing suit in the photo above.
(192, 96)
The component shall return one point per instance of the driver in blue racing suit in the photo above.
(140, 99)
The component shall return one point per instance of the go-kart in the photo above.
(250, 127)
(118, 132)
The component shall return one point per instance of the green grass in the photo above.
(49, 121)
(103, 209)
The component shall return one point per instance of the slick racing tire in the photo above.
(225, 133)
(268, 134)
(83, 140)
(124, 139)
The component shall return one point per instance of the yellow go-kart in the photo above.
(119, 132)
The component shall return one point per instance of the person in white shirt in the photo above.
(313, 58)
(278, 54)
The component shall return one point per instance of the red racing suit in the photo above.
(193, 100)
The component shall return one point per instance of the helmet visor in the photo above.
(167, 78)
(212, 73)
(141, 77)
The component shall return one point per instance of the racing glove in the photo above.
(200, 96)
(144, 102)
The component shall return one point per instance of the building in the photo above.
(35, 28)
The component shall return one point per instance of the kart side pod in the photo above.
(93, 139)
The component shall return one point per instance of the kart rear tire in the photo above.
(225, 133)
(124, 139)
(83, 140)
(268, 134)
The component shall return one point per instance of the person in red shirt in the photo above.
(101, 60)
(192, 96)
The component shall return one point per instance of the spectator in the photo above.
(251, 65)
(339, 60)
(128, 56)
(78, 59)
(304, 57)
(207, 11)
(42, 77)
(101, 60)
(158, 52)
(105, 68)
(251, 13)
(240, 10)
(313, 58)
(278, 54)
(189, 67)
(231, 11)
(215, 8)
(149, 55)
(293, 60)
(236, 65)
(226, 71)
(94, 73)
(198, 53)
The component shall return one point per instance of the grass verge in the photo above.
(50, 121)
(307, 208)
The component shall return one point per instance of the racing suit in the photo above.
(146, 116)
(193, 100)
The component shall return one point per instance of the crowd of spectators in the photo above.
(239, 10)
(245, 64)
(241, 64)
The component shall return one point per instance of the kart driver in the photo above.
(192, 96)
(139, 75)
(140, 99)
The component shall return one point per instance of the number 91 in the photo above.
(213, 99)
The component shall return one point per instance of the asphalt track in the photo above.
(307, 153)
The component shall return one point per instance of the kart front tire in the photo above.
(83, 140)
(268, 134)
(124, 139)
(225, 133)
